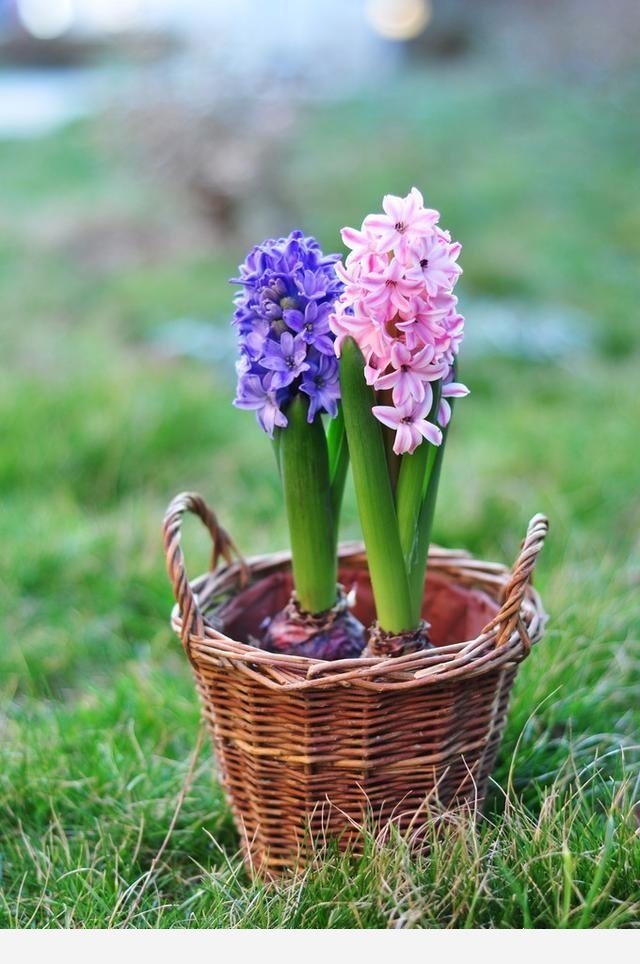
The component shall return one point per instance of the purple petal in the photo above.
(294, 318)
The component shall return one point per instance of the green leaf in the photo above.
(409, 496)
(374, 495)
(416, 471)
(304, 461)
(338, 464)
(418, 565)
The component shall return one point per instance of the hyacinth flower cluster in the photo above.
(398, 332)
(282, 320)
(398, 306)
(288, 374)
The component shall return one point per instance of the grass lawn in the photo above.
(99, 430)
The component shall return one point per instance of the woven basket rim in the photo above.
(461, 660)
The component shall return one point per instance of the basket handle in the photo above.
(223, 546)
(509, 619)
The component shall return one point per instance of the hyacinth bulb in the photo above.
(392, 645)
(336, 634)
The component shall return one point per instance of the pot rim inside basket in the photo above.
(469, 657)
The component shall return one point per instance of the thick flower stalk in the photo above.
(398, 332)
(288, 374)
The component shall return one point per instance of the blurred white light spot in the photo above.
(399, 19)
(46, 19)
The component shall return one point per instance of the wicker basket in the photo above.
(308, 747)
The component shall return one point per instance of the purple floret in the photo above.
(258, 394)
(313, 325)
(286, 358)
(321, 383)
(288, 290)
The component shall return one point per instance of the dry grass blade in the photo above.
(148, 877)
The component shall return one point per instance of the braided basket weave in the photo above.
(307, 747)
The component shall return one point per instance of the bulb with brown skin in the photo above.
(391, 645)
(336, 634)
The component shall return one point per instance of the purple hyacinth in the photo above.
(285, 358)
(259, 395)
(289, 288)
(320, 382)
(313, 325)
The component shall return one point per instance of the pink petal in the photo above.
(455, 390)
(430, 431)
(388, 381)
(402, 391)
(423, 357)
(422, 408)
(394, 207)
(444, 413)
(400, 355)
(404, 441)
(398, 300)
(388, 415)
(394, 271)
(378, 222)
(342, 273)
(425, 220)
(433, 372)
(353, 238)
(427, 400)
(416, 195)
(372, 375)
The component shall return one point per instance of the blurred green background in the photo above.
(119, 228)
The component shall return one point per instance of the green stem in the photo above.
(304, 465)
(418, 566)
(409, 496)
(393, 461)
(338, 464)
(375, 496)
(412, 486)
(277, 448)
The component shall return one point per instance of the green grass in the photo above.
(99, 718)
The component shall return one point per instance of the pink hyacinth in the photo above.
(389, 289)
(410, 423)
(449, 390)
(398, 306)
(404, 220)
(410, 373)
